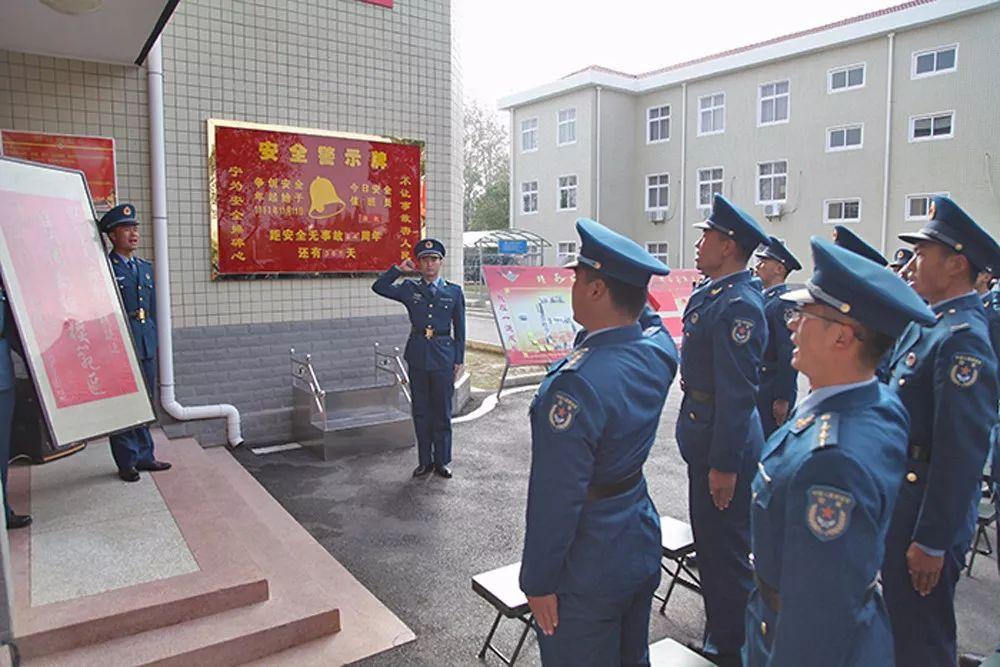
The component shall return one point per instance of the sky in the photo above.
(513, 45)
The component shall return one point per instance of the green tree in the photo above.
(486, 153)
(492, 208)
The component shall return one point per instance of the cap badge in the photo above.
(428, 244)
(127, 211)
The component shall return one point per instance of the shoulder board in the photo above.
(575, 359)
(448, 282)
(828, 428)
(960, 327)
(652, 331)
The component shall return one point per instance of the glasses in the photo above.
(798, 313)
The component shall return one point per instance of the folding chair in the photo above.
(677, 542)
(501, 588)
(987, 515)
(668, 653)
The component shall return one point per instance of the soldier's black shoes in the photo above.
(129, 475)
(153, 466)
(421, 471)
(17, 520)
(443, 471)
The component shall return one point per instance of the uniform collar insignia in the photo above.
(802, 423)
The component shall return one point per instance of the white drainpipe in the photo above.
(683, 178)
(158, 178)
(883, 236)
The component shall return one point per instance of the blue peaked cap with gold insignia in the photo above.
(610, 253)
(901, 257)
(123, 214)
(430, 247)
(953, 227)
(861, 290)
(779, 252)
(845, 238)
(734, 222)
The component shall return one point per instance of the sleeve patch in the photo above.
(828, 512)
(741, 331)
(563, 410)
(788, 315)
(964, 370)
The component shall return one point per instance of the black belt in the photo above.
(417, 331)
(918, 453)
(601, 491)
(772, 598)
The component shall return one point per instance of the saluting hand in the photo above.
(407, 266)
(545, 609)
(722, 486)
(925, 570)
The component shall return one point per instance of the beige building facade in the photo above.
(855, 123)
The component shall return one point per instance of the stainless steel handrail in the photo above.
(393, 363)
(301, 366)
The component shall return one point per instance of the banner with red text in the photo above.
(66, 305)
(289, 201)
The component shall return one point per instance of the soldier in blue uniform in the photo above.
(592, 546)
(133, 449)
(8, 340)
(900, 259)
(946, 376)
(435, 350)
(847, 239)
(828, 479)
(719, 430)
(777, 376)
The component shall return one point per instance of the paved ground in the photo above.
(416, 543)
(481, 327)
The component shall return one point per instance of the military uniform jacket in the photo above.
(991, 302)
(437, 337)
(593, 422)
(137, 293)
(724, 340)
(946, 376)
(822, 503)
(7, 328)
(777, 377)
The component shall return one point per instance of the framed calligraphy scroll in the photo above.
(296, 202)
(68, 312)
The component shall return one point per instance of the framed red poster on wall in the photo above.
(291, 202)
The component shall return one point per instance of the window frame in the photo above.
(564, 258)
(647, 187)
(523, 131)
(757, 178)
(535, 211)
(845, 147)
(830, 90)
(649, 121)
(662, 256)
(926, 195)
(935, 72)
(760, 102)
(698, 184)
(560, 123)
(560, 188)
(911, 125)
(827, 220)
(710, 133)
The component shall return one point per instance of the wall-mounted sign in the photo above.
(94, 156)
(288, 201)
(512, 246)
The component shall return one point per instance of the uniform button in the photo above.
(691, 415)
(951, 311)
(911, 477)
(753, 496)
(432, 305)
(902, 381)
(763, 628)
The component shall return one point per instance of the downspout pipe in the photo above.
(158, 180)
(883, 237)
(683, 178)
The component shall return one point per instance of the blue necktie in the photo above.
(132, 267)
(433, 289)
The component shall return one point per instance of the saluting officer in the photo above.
(592, 546)
(133, 449)
(777, 376)
(900, 258)
(8, 340)
(847, 239)
(435, 350)
(719, 430)
(828, 479)
(946, 376)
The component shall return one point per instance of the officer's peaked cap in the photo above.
(612, 254)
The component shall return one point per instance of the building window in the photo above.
(711, 114)
(772, 181)
(566, 252)
(917, 206)
(567, 193)
(844, 138)
(936, 61)
(932, 126)
(566, 122)
(658, 250)
(845, 78)
(529, 197)
(709, 185)
(658, 124)
(657, 192)
(836, 211)
(774, 101)
(529, 135)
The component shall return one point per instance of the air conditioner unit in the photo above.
(657, 216)
(772, 210)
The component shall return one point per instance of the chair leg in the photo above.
(670, 589)
(520, 642)
(489, 637)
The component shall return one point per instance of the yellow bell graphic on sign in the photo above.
(324, 202)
